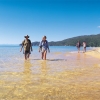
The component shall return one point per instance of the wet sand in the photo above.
(65, 76)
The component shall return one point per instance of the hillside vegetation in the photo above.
(91, 40)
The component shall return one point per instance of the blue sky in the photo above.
(57, 19)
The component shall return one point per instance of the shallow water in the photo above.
(63, 76)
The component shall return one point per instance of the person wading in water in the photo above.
(43, 47)
(27, 47)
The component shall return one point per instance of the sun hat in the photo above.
(26, 36)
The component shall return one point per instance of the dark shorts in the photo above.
(26, 52)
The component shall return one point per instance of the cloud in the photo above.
(98, 26)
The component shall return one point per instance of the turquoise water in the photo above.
(12, 53)
(11, 59)
(60, 76)
(12, 50)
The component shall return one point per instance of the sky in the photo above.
(57, 19)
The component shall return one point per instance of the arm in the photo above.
(22, 46)
(31, 46)
(48, 47)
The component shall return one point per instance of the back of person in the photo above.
(78, 44)
(84, 44)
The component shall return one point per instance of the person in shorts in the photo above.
(27, 47)
(43, 47)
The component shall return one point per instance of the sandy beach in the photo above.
(67, 76)
(95, 52)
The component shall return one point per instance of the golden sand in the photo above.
(95, 52)
(75, 78)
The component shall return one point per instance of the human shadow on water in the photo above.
(35, 59)
(52, 59)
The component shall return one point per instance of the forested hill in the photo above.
(91, 40)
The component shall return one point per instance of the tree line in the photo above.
(91, 40)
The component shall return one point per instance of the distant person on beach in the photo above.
(78, 46)
(43, 47)
(84, 47)
(27, 47)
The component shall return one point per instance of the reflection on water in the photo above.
(61, 77)
(27, 71)
(43, 71)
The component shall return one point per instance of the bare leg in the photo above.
(25, 57)
(28, 55)
(85, 49)
(78, 50)
(45, 53)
